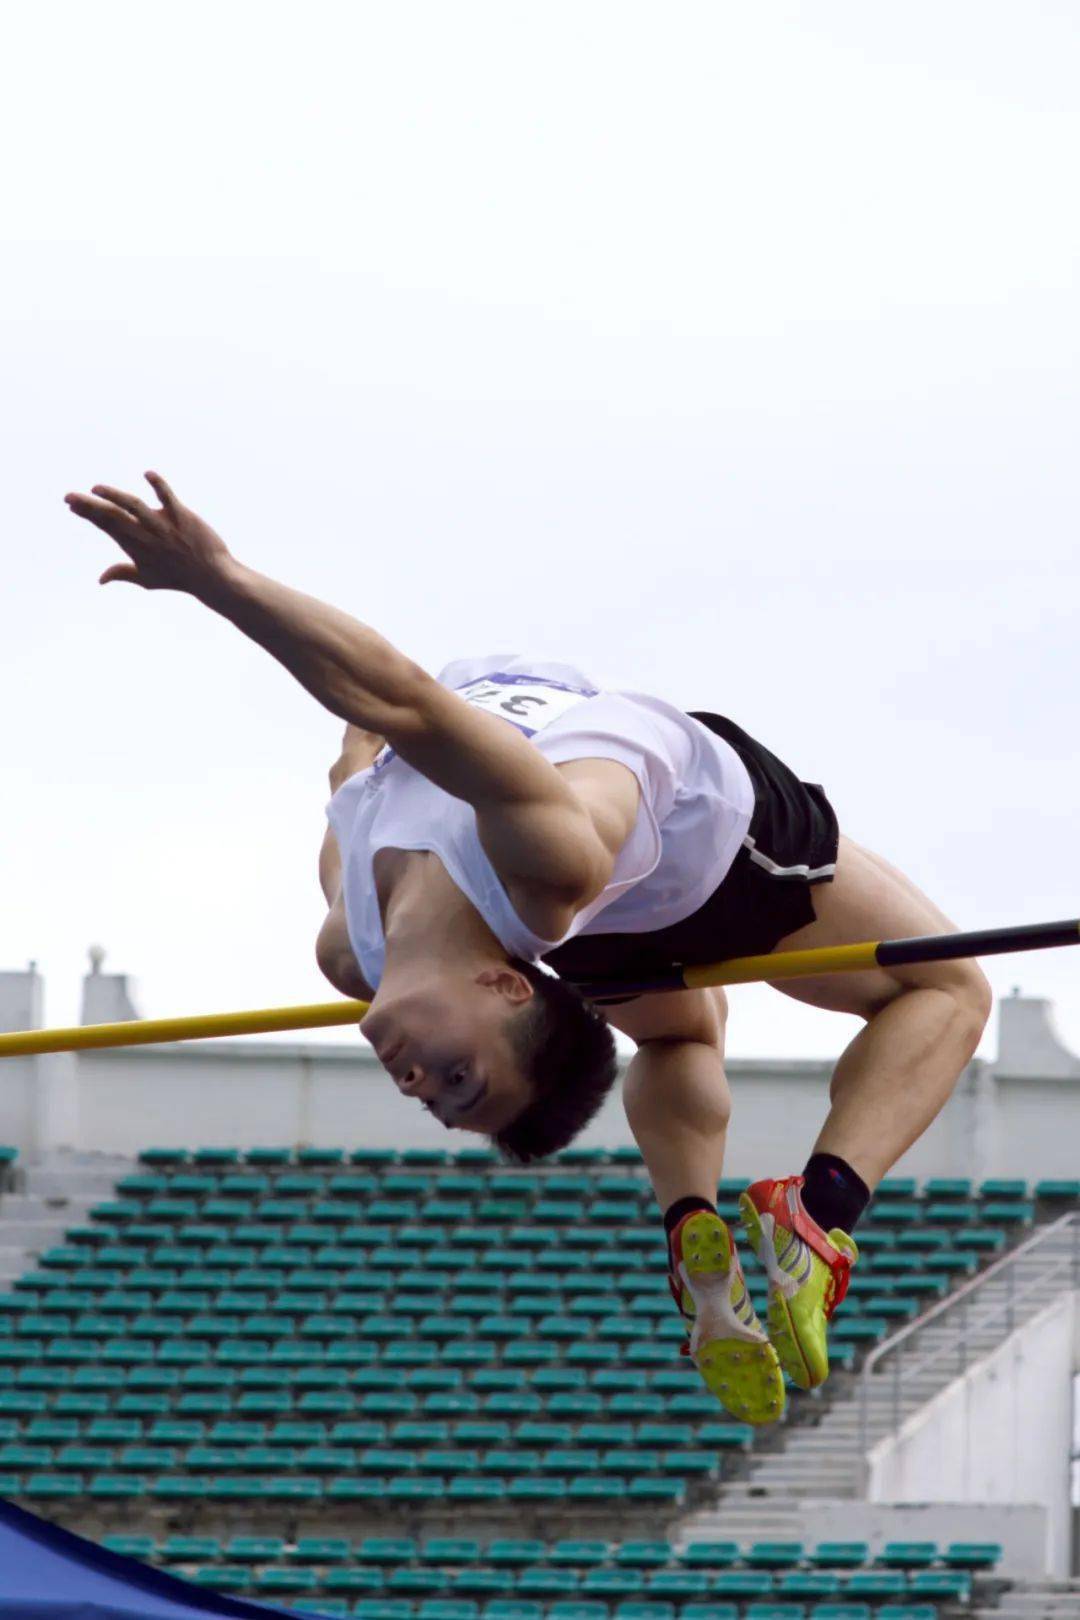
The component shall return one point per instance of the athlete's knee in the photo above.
(974, 1000)
(965, 986)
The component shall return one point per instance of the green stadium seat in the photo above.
(387, 1550)
(875, 1583)
(951, 1214)
(536, 1488)
(807, 1583)
(286, 1578)
(656, 1490)
(190, 1549)
(131, 1546)
(451, 1550)
(678, 1583)
(895, 1212)
(972, 1554)
(612, 1582)
(543, 1581)
(163, 1155)
(469, 1488)
(254, 1549)
(51, 1487)
(709, 1554)
(774, 1611)
(774, 1554)
(578, 1554)
(942, 1585)
(1003, 1187)
(709, 1611)
(1057, 1191)
(513, 1553)
(353, 1578)
(743, 1583)
(940, 1188)
(1012, 1213)
(908, 1555)
(383, 1609)
(115, 1487)
(448, 1609)
(224, 1578)
(642, 1554)
(840, 1554)
(483, 1581)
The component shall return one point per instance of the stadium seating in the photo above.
(356, 1325)
(331, 1330)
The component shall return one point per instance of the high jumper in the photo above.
(511, 817)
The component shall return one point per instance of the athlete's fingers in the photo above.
(127, 503)
(163, 493)
(114, 523)
(123, 571)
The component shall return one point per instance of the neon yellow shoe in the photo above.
(808, 1271)
(727, 1343)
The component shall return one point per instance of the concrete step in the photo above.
(32, 1236)
(35, 1207)
(78, 1183)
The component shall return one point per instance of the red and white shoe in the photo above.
(808, 1271)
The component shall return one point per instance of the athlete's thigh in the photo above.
(867, 900)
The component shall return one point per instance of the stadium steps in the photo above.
(1034, 1600)
(824, 1457)
(53, 1195)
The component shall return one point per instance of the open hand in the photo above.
(171, 549)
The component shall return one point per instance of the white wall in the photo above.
(1000, 1433)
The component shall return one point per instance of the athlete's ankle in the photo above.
(833, 1194)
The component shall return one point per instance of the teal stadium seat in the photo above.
(908, 1554)
(973, 1554)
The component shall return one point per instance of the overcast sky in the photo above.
(729, 352)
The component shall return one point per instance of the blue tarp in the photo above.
(49, 1574)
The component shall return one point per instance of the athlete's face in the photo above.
(444, 1043)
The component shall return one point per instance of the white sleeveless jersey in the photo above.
(694, 811)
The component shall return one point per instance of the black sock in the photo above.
(833, 1194)
(681, 1207)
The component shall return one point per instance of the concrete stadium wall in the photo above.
(1001, 1433)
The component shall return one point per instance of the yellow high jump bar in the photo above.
(736, 970)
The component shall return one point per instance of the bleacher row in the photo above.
(406, 1328)
(518, 1579)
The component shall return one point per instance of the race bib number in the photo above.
(527, 702)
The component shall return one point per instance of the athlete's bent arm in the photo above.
(536, 829)
(675, 1091)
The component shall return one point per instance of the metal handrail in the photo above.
(1004, 1267)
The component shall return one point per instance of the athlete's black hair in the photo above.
(567, 1053)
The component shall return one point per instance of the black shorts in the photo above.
(791, 845)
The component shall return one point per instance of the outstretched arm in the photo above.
(535, 828)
